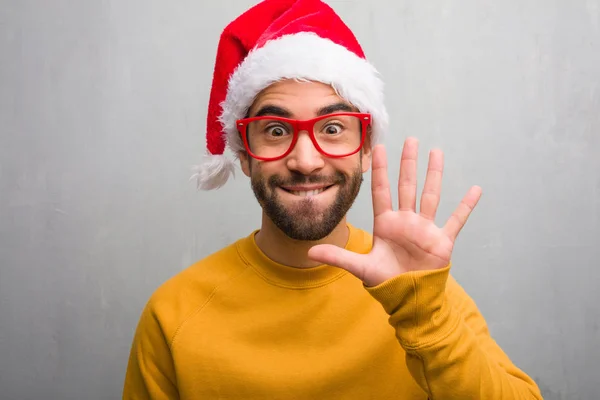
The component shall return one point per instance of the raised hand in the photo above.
(403, 240)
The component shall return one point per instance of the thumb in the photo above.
(339, 257)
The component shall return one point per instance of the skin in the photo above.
(404, 239)
(303, 100)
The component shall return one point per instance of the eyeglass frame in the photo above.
(303, 125)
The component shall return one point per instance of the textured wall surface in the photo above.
(102, 113)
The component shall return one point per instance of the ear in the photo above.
(244, 162)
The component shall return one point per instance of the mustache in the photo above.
(300, 179)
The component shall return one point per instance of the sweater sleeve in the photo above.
(449, 351)
(150, 372)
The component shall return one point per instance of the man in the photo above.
(309, 306)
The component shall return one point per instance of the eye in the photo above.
(333, 129)
(276, 131)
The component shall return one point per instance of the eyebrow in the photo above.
(337, 107)
(273, 110)
(270, 109)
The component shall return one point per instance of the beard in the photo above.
(303, 220)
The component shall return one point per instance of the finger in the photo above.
(459, 218)
(339, 257)
(407, 182)
(380, 186)
(430, 198)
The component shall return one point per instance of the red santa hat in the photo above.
(275, 40)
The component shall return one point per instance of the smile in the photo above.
(306, 192)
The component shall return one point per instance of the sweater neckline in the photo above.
(295, 277)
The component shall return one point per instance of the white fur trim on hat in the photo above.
(306, 56)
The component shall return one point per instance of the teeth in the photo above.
(308, 193)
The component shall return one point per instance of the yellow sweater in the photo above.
(237, 325)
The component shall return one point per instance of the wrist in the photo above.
(416, 303)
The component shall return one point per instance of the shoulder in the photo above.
(173, 302)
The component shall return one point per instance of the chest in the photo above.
(292, 345)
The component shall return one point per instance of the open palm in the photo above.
(403, 240)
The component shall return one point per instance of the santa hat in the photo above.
(275, 40)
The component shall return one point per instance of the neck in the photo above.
(294, 253)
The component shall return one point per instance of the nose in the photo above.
(304, 157)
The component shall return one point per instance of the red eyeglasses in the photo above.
(271, 138)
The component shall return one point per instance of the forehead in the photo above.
(299, 97)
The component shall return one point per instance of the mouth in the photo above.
(305, 192)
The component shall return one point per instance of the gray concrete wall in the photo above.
(102, 113)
